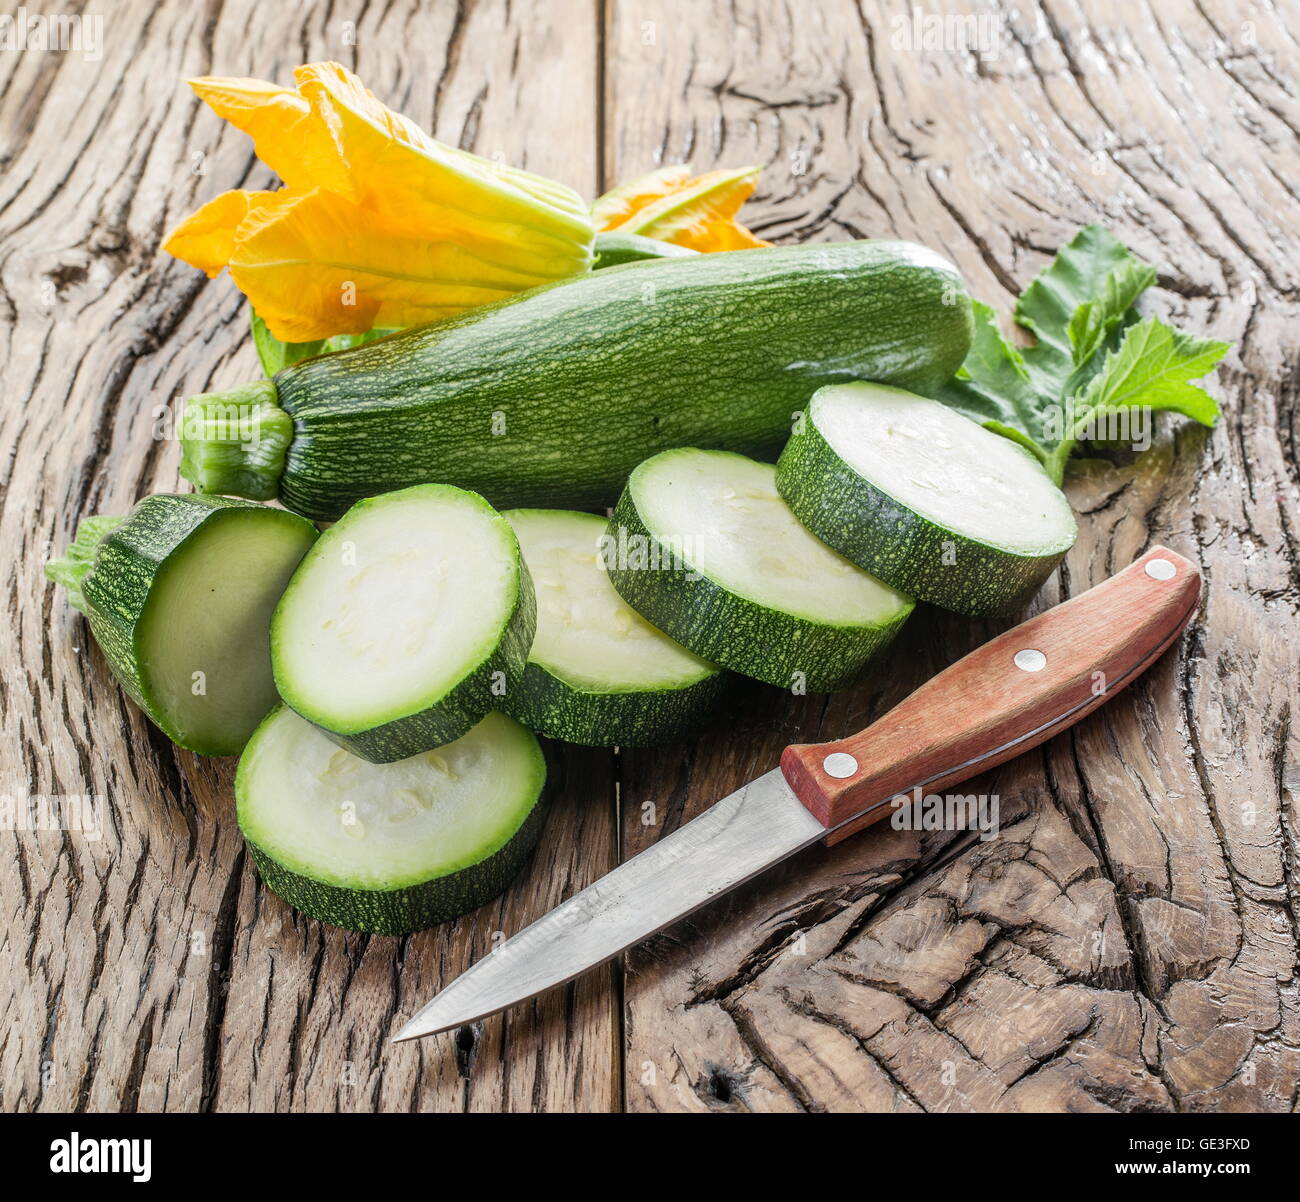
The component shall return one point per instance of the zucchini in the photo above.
(179, 596)
(598, 673)
(702, 545)
(613, 250)
(389, 848)
(553, 396)
(406, 624)
(925, 498)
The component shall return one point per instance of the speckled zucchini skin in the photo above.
(415, 907)
(553, 396)
(738, 633)
(897, 545)
(116, 587)
(549, 705)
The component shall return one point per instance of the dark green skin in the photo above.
(897, 545)
(593, 374)
(548, 705)
(738, 633)
(613, 250)
(116, 588)
(414, 908)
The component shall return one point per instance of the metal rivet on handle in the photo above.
(1030, 660)
(1160, 569)
(839, 764)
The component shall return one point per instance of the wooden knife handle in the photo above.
(1003, 698)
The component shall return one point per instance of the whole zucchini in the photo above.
(553, 396)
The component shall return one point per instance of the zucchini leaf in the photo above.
(1153, 369)
(1091, 356)
(994, 385)
(276, 355)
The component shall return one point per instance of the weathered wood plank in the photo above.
(149, 969)
(1129, 941)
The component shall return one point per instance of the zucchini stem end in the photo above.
(233, 442)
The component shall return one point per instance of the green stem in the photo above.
(72, 566)
(1059, 457)
(233, 442)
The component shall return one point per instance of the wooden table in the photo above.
(1128, 942)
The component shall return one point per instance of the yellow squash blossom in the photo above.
(668, 204)
(378, 224)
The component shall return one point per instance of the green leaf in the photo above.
(1076, 276)
(1076, 306)
(993, 386)
(1096, 320)
(276, 355)
(1153, 369)
(1091, 353)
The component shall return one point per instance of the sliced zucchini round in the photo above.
(179, 595)
(702, 545)
(389, 848)
(926, 499)
(408, 622)
(598, 673)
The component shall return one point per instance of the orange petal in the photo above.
(318, 265)
(410, 181)
(288, 137)
(206, 239)
(618, 204)
(379, 222)
(701, 213)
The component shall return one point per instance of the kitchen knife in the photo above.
(1002, 699)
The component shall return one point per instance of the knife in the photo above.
(1002, 699)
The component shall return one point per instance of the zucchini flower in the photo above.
(378, 224)
(668, 204)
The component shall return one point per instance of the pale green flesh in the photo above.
(394, 606)
(587, 635)
(945, 467)
(325, 814)
(721, 512)
(203, 641)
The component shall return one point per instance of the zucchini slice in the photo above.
(702, 545)
(598, 673)
(925, 498)
(407, 623)
(179, 595)
(389, 848)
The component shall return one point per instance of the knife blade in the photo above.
(1002, 699)
(759, 825)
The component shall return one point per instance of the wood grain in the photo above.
(1129, 940)
(149, 969)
